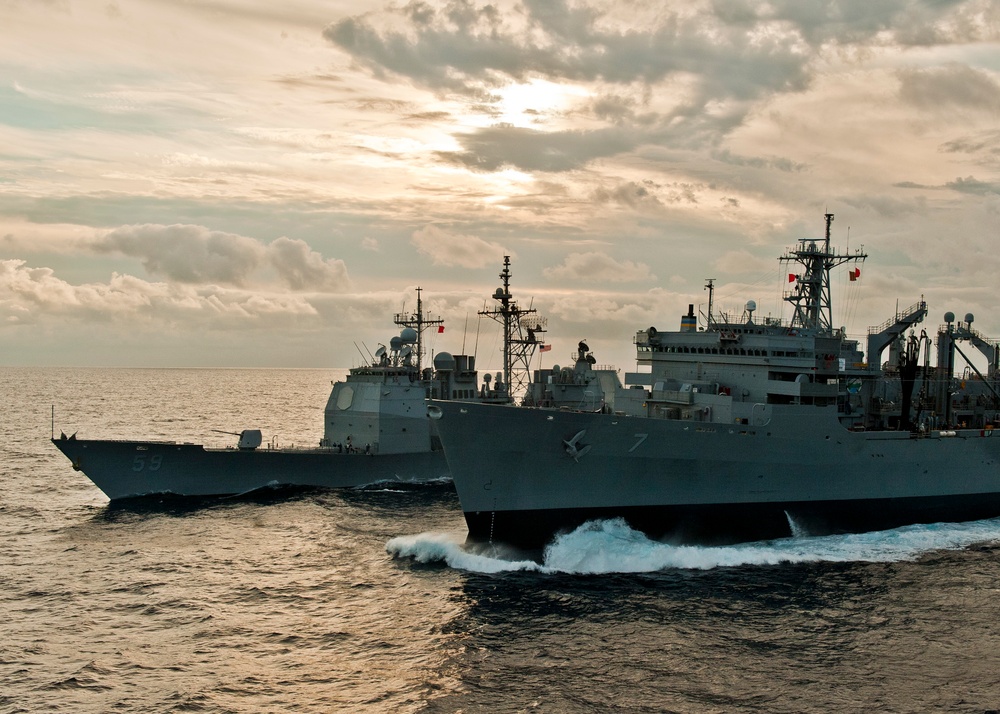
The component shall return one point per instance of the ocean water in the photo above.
(368, 600)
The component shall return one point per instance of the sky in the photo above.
(244, 183)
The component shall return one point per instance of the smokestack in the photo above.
(689, 323)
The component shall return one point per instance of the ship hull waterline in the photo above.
(524, 475)
(131, 469)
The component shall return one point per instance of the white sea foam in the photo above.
(612, 547)
(448, 548)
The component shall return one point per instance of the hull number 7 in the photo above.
(641, 438)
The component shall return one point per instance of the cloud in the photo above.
(974, 186)
(592, 268)
(305, 269)
(986, 143)
(741, 262)
(186, 253)
(757, 162)
(462, 44)
(498, 147)
(722, 63)
(629, 193)
(713, 59)
(453, 249)
(31, 295)
(952, 87)
(195, 255)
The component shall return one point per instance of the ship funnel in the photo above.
(689, 323)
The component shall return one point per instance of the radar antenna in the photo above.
(521, 330)
(419, 323)
(811, 296)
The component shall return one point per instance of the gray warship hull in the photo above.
(130, 469)
(375, 430)
(525, 474)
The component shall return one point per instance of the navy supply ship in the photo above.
(375, 429)
(747, 428)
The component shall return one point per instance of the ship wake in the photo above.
(610, 546)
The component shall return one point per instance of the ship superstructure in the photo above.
(741, 427)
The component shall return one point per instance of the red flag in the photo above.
(791, 277)
(545, 348)
(855, 274)
(440, 329)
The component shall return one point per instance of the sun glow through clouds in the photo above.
(535, 102)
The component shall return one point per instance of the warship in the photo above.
(742, 428)
(375, 429)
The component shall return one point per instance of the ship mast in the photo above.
(710, 286)
(418, 323)
(521, 328)
(811, 296)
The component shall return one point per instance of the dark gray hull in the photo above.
(518, 482)
(127, 469)
(725, 523)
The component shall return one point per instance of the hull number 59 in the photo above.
(139, 463)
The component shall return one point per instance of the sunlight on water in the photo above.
(612, 547)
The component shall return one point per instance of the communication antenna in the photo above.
(419, 323)
(521, 328)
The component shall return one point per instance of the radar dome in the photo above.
(443, 361)
(751, 305)
(949, 317)
(395, 343)
(408, 335)
(969, 317)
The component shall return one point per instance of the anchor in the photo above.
(573, 448)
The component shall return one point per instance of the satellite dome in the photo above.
(751, 305)
(408, 335)
(969, 317)
(395, 343)
(443, 361)
(949, 317)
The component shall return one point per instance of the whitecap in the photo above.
(611, 546)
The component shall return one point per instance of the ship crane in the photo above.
(948, 337)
